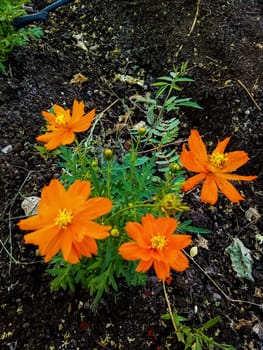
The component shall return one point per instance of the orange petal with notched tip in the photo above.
(235, 160)
(221, 145)
(209, 191)
(197, 146)
(190, 162)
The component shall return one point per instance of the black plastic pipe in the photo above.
(41, 15)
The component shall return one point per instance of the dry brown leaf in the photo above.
(78, 79)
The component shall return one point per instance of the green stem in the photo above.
(160, 114)
(169, 307)
(108, 178)
(81, 159)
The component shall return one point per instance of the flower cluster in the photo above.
(72, 222)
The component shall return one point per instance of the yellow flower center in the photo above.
(64, 218)
(61, 118)
(158, 242)
(218, 160)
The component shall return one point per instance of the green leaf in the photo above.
(141, 160)
(165, 78)
(165, 317)
(161, 90)
(197, 345)
(184, 80)
(150, 114)
(211, 322)
(240, 259)
(189, 340)
(160, 83)
(36, 32)
(186, 227)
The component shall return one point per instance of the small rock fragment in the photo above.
(30, 205)
(7, 149)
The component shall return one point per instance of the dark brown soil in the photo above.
(145, 39)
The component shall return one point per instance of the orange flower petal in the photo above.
(189, 161)
(77, 110)
(67, 137)
(197, 146)
(96, 207)
(228, 189)
(179, 241)
(135, 230)
(97, 231)
(236, 177)
(162, 269)
(72, 250)
(88, 247)
(167, 225)
(149, 225)
(66, 245)
(193, 181)
(180, 263)
(144, 266)
(59, 109)
(53, 139)
(132, 251)
(48, 208)
(32, 223)
(42, 237)
(79, 189)
(209, 192)
(221, 145)
(50, 117)
(53, 197)
(235, 160)
(73, 255)
(45, 137)
(84, 123)
(53, 247)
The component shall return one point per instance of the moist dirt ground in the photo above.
(223, 43)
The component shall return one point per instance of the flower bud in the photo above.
(115, 232)
(142, 131)
(174, 167)
(108, 154)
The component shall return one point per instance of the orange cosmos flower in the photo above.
(62, 126)
(156, 244)
(215, 169)
(64, 221)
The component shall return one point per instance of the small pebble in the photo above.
(7, 149)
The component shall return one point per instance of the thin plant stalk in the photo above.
(169, 307)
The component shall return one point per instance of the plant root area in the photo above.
(87, 47)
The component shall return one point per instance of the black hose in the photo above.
(41, 15)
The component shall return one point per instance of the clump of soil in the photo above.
(222, 42)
